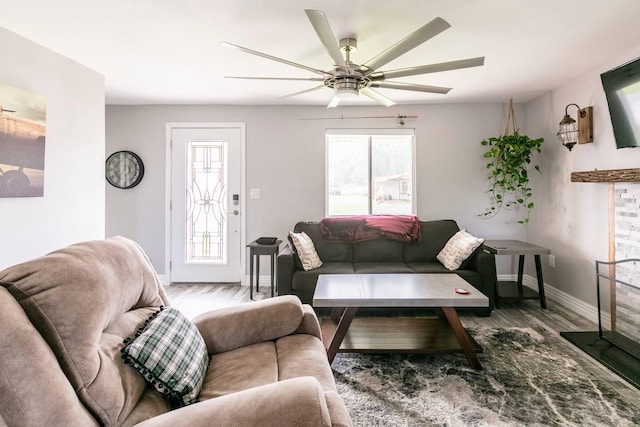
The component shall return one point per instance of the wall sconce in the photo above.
(571, 132)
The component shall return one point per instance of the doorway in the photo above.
(206, 218)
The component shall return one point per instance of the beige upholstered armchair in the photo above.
(66, 318)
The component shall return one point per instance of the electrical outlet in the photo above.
(552, 261)
(254, 193)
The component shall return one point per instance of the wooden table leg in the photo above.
(462, 337)
(543, 299)
(251, 256)
(258, 273)
(341, 317)
(520, 274)
(273, 272)
(336, 314)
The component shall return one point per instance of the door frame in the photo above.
(167, 195)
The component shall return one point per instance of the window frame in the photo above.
(369, 133)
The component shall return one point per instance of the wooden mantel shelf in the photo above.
(612, 175)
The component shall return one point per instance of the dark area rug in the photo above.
(531, 377)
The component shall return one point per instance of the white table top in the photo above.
(514, 247)
(395, 290)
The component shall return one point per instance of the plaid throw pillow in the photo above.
(170, 353)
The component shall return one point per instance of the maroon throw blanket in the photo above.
(402, 228)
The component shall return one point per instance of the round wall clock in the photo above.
(124, 169)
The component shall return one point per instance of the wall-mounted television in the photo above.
(622, 88)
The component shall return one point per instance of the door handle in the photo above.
(234, 212)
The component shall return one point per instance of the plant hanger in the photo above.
(511, 119)
(509, 158)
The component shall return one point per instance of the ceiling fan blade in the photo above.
(414, 39)
(377, 96)
(313, 79)
(273, 58)
(303, 91)
(334, 102)
(323, 29)
(425, 69)
(410, 86)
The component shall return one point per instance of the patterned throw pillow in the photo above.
(459, 247)
(306, 250)
(170, 353)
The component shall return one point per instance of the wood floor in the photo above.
(194, 299)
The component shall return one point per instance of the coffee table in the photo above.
(348, 292)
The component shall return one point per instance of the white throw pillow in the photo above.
(459, 247)
(306, 250)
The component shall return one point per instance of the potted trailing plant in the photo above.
(510, 157)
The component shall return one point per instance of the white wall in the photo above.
(572, 218)
(285, 160)
(72, 208)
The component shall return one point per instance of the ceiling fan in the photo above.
(348, 79)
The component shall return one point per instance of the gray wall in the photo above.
(285, 160)
(572, 218)
(73, 206)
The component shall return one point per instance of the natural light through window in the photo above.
(370, 172)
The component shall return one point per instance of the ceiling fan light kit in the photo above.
(349, 80)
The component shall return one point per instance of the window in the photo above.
(370, 172)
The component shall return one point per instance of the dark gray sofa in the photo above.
(384, 256)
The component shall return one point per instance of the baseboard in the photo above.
(262, 280)
(574, 304)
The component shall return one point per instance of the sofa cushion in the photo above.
(428, 267)
(170, 353)
(150, 404)
(240, 369)
(306, 280)
(305, 250)
(381, 267)
(435, 234)
(33, 389)
(85, 300)
(473, 277)
(379, 250)
(304, 355)
(458, 249)
(267, 362)
(328, 251)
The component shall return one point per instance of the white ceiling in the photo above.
(168, 51)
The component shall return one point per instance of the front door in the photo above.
(206, 179)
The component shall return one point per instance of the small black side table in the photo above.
(255, 250)
(507, 290)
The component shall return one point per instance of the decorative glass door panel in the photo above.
(205, 221)
(206, 204)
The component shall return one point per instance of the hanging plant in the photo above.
(510, 157)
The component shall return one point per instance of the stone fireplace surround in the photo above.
(624, 243)
(621, 316)
(627, 245)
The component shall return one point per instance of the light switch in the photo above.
(254, 193)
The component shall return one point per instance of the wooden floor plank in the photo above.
(194, 299)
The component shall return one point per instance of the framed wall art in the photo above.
(22, 139)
